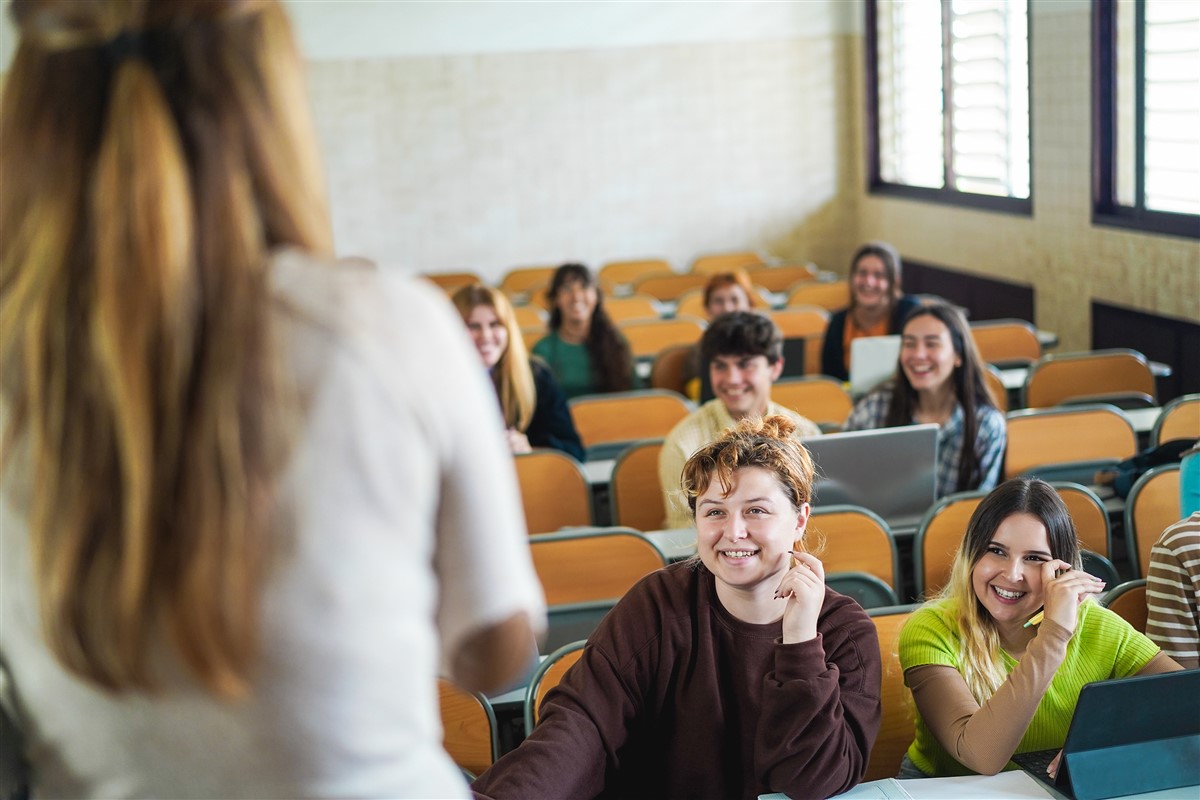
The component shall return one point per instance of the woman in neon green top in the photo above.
(986, 685)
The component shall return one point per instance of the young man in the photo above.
(744, 353)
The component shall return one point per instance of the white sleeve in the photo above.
(485, 573)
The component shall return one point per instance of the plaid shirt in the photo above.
(990, 439)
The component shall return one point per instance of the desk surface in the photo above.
(1012, 784)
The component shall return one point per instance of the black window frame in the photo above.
(1106, 209)
(1020, 206)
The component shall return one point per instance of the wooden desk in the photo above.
(1013, 784)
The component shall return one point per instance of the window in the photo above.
(1147, 97)
(948, 90)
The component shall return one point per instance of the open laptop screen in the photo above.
(872, 361)
(892, 471)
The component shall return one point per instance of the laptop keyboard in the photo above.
(1035, 762)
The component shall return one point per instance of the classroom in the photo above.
(501, 142)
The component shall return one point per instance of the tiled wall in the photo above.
(1067, 259)
(496, 160)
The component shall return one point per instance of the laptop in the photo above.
(793, 366)
(1128, 736)
(872, 361)
(891, 471)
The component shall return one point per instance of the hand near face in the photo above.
(517, 441)
(1062, 593)
(803, 589)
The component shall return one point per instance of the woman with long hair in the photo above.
(584, 348)
(733, 674)
(986, 682)
(939, 379)
(535, 411)
(878, 306)
(232, 527)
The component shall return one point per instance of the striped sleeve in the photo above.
(1173, 591)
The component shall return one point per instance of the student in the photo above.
(985, 684)
(248, 513)
(535, 411)
(744, 353)
(584, 348)
(1173, 592)
(878, 307)
(730, 675)
(724, 292)
(939, 379)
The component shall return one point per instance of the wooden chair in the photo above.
(782, 278)
(1007, 342)
(529, 317)
(713, 263)
(606, 419)
(1152, 505)
(1119, 375)
(634, 490)
(622, 273)
(822, 399)
(995, 387)
(854, 539)
(669, 286)
(546, 677)
(866, 590)
(938, 538)
(452, 281)
(1129, 601)
(1099, 566)
(1067, 443)
(667, 371)
(525, 279)
(554, 491)
(585, 572)
(635, 306)
(691, 304)
(897, 727)
(1091, 519)
(648, 337)
(468, 728)
(1179, 419)
(830, 296)
(800, 321)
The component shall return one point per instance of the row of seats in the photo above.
(470, 722)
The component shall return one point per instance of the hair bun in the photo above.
(775, 426)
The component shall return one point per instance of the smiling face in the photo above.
(743, 383)
(576, 301)
(488, 333)
(1007, 578)
(927, 353)
(870, 283)
(744, 537)
(730, 297)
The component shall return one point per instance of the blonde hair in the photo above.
(512, 374)
(155, 153)
(979, 658)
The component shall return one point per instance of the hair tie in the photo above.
(126, 44)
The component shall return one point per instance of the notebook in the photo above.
(1128, 736)
(872, 361)
(891, 471)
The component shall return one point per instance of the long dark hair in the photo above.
(612, 363)
(891, 267)
(969, 388)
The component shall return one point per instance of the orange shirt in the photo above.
(852, 332)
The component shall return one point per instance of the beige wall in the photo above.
(1068, 260)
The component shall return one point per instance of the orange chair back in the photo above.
(897, 727)
(634, 489)
(1180, 419)
(938, 539)
(526, 279)
(1129, 601)
(726, 262)
(452, 281)
(669, 286)
(637, 306)
(1152, 506)
(1039, 438)
(621, 273)
(830, 296)
(1006, 341)
(1056, 379)
(647, 338)
(782, 278)
(554, 491)
(627, 416)
(549, 675)
(853, 539)
(468, 727)
(823, 400)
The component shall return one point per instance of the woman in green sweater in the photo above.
(986, 684)
(584, 348)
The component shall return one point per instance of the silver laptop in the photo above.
(872, 361)
(892, 471)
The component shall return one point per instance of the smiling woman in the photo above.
(985, 685)
(731, 675)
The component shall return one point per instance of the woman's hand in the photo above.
(1063, 589)
(803, 589)
(517, 441)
